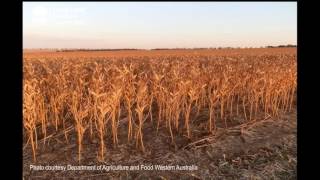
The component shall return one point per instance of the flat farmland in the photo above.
(230, 112)
(124, 53)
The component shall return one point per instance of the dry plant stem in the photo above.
(139, 136)
(102, 130)
(187, 117)
(101, 115)
(33, 146)
(238, 100)
(222, 114)
(150, 108)
(129, 121)
(176, 117)
(211, 119)
(291, 98)
(170, 129)
(55, 112)
(250, 114)
(244, 109)
(36, 137)
(42, 116)
(114, 127)
(231, 104)
(102, 146)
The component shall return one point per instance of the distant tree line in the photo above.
(281, 46)
(159, 49)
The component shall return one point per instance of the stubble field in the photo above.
(230, 112)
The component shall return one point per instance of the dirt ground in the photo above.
(265, 149)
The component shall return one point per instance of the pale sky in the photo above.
(149, 25)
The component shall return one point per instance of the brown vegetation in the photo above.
(94, 93)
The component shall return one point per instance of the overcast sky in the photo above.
(158, 24)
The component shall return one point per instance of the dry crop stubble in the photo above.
(97, 91)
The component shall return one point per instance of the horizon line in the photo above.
(238, 47)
